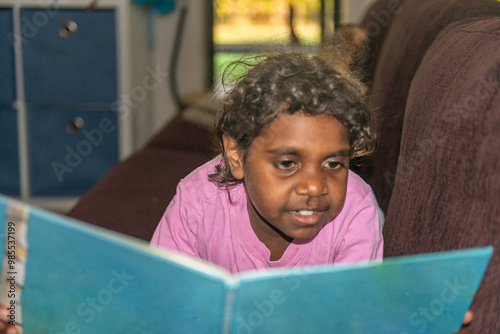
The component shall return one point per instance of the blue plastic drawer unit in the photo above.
(70, 75)
(70, 150)
(71, 58)
(70, 84)
(9, 158)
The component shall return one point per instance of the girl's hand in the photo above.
(466, 322)
(5, 328)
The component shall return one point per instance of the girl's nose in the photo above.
(312, 184)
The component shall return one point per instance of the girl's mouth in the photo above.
(305, 212)
(306, 217)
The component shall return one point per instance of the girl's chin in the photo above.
(304, 233)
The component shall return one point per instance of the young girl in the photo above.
(281, 193)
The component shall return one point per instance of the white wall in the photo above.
(191, 71)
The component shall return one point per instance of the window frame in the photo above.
(213, 48)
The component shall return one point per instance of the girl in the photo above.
(281, 193)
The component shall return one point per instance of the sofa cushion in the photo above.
(409, 35)
(132, 197)
(181, 134)
(447, 186)
(376, 23)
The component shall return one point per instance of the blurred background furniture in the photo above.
(402, 37)
(447, 185)
(65, 119)
(435, 95)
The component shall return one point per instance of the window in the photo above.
(245, 27)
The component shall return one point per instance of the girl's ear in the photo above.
(234, 157)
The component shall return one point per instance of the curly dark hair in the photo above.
(288, 82)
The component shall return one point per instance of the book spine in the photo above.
(229, 307)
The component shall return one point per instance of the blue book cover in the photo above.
(64, 276)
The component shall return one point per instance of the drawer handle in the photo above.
(75, 125)
(68, 29)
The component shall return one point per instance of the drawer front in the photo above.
(9, 158)
(70, 151)
(69, 56)
(7, 79)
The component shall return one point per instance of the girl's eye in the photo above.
(334, 164)
(286, 164)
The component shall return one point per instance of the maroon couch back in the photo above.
(376, 22)
(447, 186)
(408, 38)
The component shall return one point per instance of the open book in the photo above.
(64, 276)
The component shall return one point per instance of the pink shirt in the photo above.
(201, 221)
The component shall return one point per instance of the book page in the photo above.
(82, 279)
(427, 293)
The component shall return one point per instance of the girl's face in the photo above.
(295, 175)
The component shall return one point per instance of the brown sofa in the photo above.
(436, 98)
(402, 42)
(436, 172)
(447, 184)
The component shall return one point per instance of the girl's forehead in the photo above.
(300, 121)
(300, 129)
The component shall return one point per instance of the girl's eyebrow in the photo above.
(283, 151)
(279, 151)
(342, 153)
